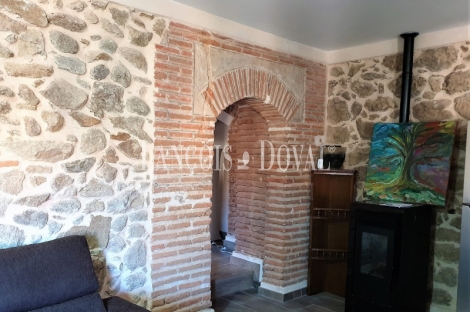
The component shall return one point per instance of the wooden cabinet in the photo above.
(332, 194)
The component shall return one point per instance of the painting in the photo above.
(410, 162)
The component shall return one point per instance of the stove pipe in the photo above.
(407, 75)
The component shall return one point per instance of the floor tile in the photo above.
(256, 303)
(224, 305)
(299, 303)
(252, 291)
(313, 308)
(240, 297)
(249, 300)
(325, 301)
(334, 296)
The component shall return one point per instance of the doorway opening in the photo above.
(220, 182)
(238, 198)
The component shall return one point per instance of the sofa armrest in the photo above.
(116, 304)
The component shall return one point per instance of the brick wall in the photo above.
(181, 214)
(247, 201)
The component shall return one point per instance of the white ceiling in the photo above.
(337, 24)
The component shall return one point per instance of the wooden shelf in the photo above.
(328, 254)
(330, 213)
(332, 194)
(335, 172)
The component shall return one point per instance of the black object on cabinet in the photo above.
(388, 258)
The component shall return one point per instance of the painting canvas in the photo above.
(410, 162)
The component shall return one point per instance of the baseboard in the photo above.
(282, 297)
(250, 263)
(229, 246)
(283, 294)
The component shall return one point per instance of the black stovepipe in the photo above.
(407, 75)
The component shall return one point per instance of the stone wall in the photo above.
(76, 153)
(76, 84)
(364, 92)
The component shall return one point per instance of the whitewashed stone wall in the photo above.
(76, 129)
(367, 91)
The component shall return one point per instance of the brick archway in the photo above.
(248, 82)
(180, 240)
(286, 197)
(180, 193)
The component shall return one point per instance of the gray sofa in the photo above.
(55, 276)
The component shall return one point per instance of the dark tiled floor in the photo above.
(249, 300)
(227, 278)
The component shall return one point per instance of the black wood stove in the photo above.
(388, 258)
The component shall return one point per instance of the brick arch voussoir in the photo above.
(249, 82)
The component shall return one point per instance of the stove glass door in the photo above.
(374, 254)
(373, 263)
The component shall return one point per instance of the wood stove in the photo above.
(388, 257)
(388, 252)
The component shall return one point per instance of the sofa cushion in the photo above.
(116, 304)
(88, 303)
(45, 274)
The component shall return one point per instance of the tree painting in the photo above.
(410, 162)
